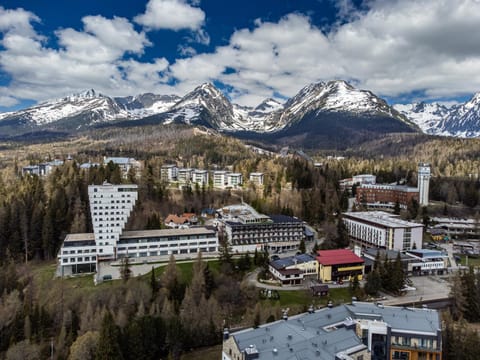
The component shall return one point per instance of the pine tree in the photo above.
(302, 247)
(396, 209)
(108, 347)
(374, 282)
(343, 239)
(125, 270)
(153, 282)
(459, 302)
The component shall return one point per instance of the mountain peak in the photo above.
(87, 94)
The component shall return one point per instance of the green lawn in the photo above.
(185, 269)
(304, 297)
(471, 261)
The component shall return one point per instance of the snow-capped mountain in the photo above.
(321, 106)
(462, 120)
(207, 104)
(333, 96)
(426, 116)
(97, 106)
(147, 104)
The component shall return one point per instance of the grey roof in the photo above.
(391, 254)
(301, 337)
(322, 334)
(401, 319)
(117, 160)
(291, 260)
(284, 219)
(381, 218)
(427, 253)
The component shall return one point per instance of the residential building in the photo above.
(339, 265)
(124, 163)
(294, 269)
(200, 177)
(256, 178)
(220, 180)
(168, 173)
(347, 184)
(423, 183)
(234, 180)
(184, 175)
(31, 170)
(110, 207)
(248, 230)
(88, 165)
(383, 230)
(185, 220)
(42, 169)
(358, 331)
(385, 196)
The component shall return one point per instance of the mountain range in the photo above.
(331, 112)
(461, 120)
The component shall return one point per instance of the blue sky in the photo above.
(402, 50)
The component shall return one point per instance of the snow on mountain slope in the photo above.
(333, 96)
(462, 120)
(206, 105)
(102, 107)
(147, 104)
(426, 116)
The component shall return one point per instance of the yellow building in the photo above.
(339, 265)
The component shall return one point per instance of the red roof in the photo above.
(338, 257)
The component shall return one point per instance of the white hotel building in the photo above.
(383, 230)
(110, 206)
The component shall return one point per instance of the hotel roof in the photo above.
(146, 233)
(325, 333)
(337, 257)
(381, 218)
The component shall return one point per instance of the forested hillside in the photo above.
(157, 315)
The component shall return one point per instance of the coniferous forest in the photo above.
(178, 307)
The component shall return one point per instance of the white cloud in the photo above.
(98, 57)
(391, 47)
(102, 40)
(8, 101)
(171, 14)
(17, 21)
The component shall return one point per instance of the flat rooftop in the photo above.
(146, 233)
(323, 334)
(381, 218)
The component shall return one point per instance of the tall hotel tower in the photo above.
(423, 183)
(110, 207)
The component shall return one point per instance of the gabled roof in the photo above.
(337, 257)
(176, 219)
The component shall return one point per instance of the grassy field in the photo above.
(304, 297)
(185, 269)
(471, 261)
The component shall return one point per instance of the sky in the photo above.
(402, 50)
